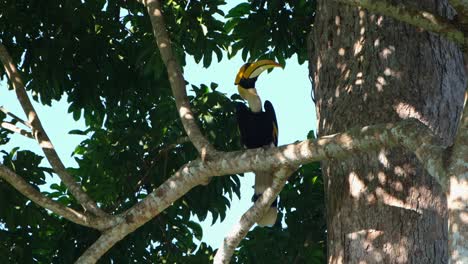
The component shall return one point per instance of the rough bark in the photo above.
(457, 195)
(369, 69)
(415, 16)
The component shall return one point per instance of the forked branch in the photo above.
(40, 135)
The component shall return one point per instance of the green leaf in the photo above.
(239, 10)
(78, 132)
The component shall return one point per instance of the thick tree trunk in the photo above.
(383, 207)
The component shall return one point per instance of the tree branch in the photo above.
(249, 218)
(416, 17)
(34, 195)
(15, 117)
(176, 78)
(41, 136)
(15, 129)
(338, 146)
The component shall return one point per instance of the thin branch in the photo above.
(413, 16)
(15, 117)
(34, 195)
(176, 78)
(41, 136)
(15, 129)
(338, 146)
(249, 218)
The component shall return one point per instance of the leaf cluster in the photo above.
(270, 29)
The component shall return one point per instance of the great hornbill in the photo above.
(257, 128)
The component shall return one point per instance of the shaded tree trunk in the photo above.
(383, 207)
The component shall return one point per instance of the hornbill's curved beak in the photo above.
(246, 78)
(249, 72)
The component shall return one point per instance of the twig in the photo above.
(41, 136)
(176, 79)
(15, 129)
(15, 117)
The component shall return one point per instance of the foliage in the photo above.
(102, 55)
(274, 29)
(4, 134)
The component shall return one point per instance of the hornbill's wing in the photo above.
(242, 113)
(270, 111)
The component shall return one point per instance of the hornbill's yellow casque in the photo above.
(257, 128)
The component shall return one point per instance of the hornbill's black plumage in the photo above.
(257, 128)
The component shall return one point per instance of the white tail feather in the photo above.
(263, 180)
(269, 218)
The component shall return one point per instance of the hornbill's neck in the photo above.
(255, 104)
(247, 91)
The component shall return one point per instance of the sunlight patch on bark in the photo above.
(358, 45)
(383, 158)
(356, 185)
(405, 110)
(458, 194)
(362, 241)
(391, 200)
(380, 83)
(382, 177)
(386, 52)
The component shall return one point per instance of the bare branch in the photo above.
(15, 129)
(338, 146)
(41, 136)
(15, 117)
(176, 78)
(34, 195)
(413, 16)
(249, 218)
